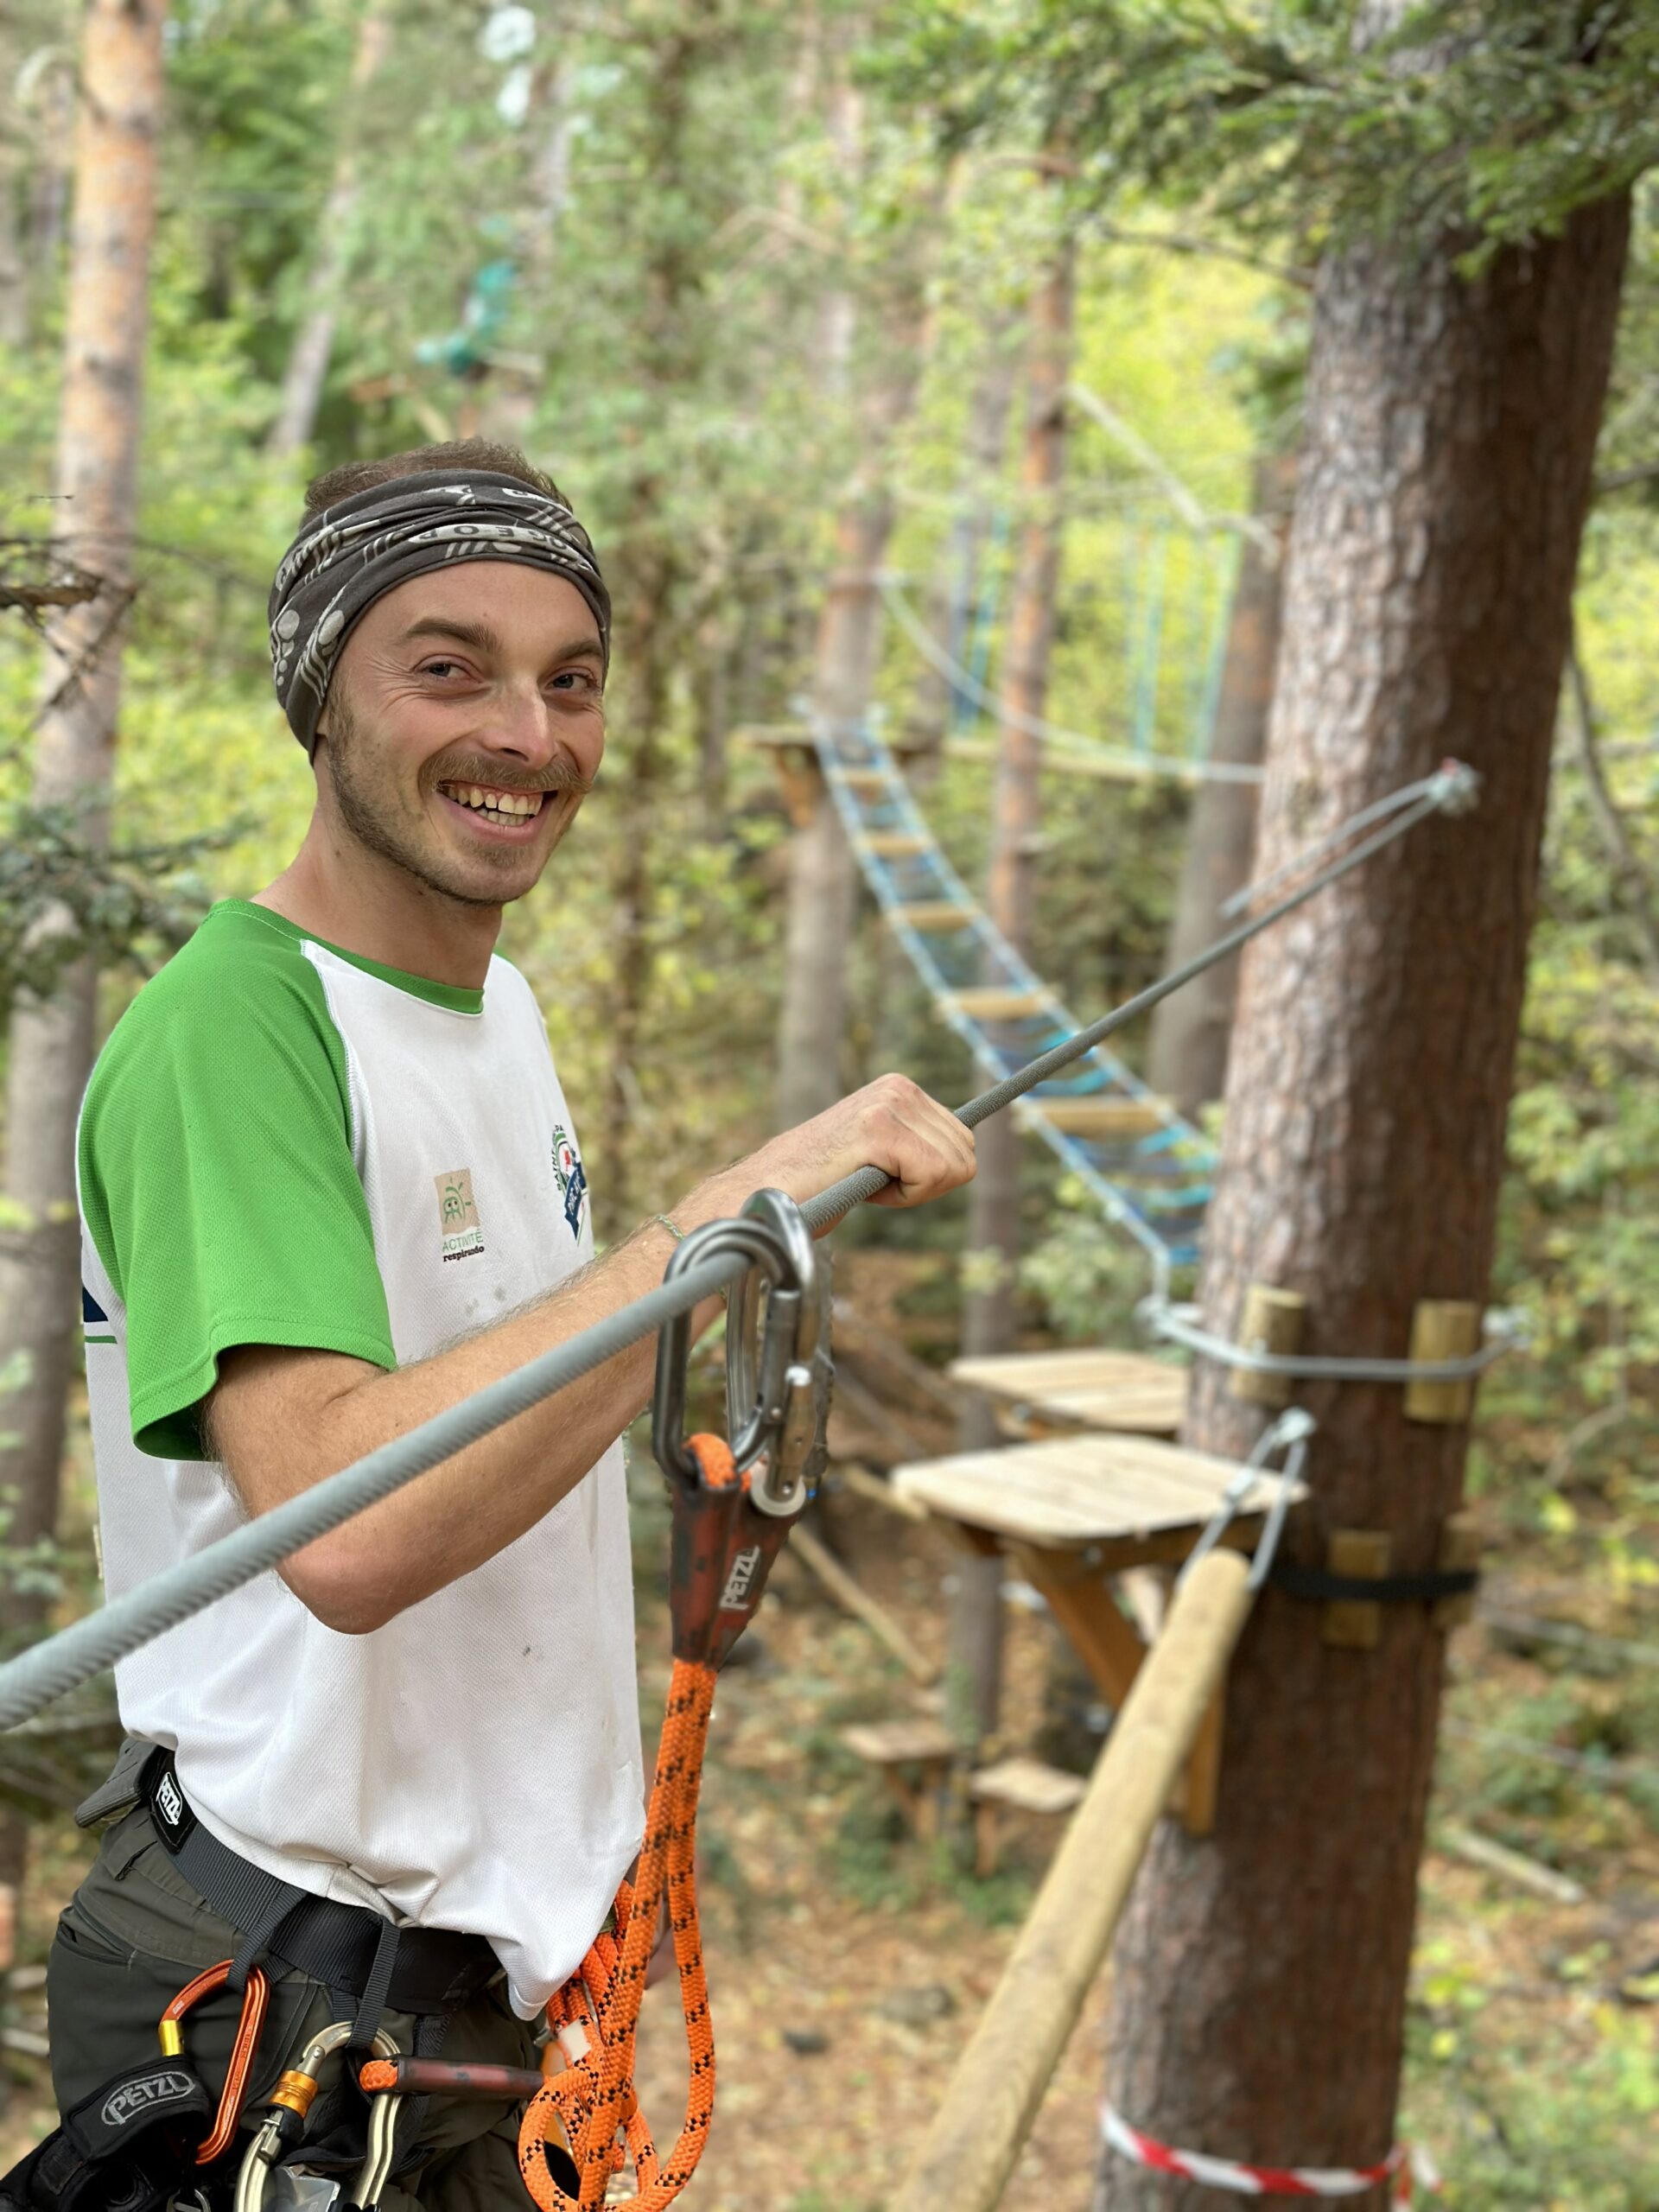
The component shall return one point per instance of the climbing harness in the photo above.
(73, 1655)
(136, 2140)
(733, 1506)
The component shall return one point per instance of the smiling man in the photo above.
(332, 1185)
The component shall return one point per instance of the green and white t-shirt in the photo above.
(285, 1144)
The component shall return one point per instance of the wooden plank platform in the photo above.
(991, 1003)
(1121, 1497)
(1118, 1391)
(1102, 1118)
(930, 915)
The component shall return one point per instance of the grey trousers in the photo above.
(136, 1932)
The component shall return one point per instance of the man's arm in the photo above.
(280, 1420)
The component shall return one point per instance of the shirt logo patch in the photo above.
(573, 1179)
(458, 1223)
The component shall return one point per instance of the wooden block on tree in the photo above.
(1103, 1119)
(1443, 1328)
(1459, 1549)
(1349, 1622)
(1272, 1322)
(896, 844)
(935, 915)
(992, 1002)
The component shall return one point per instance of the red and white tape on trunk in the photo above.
(1401, 2168)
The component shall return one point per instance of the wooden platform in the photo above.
(1106, 1120)
(1118, 1391)
(1073, 1511)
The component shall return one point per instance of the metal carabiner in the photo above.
(289, 2108)
(255, 1998)
(777, 1370)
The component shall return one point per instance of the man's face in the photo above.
(464, 723)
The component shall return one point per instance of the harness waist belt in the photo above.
(432, 1970)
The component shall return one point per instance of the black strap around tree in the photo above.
(1321, 1587)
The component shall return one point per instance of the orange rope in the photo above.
(591, 2106)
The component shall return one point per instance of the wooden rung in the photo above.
(928, 914)
(1102, 1117)
(864, 779)
(1027, 1785)
(900, 1743)
(896, 844)
(993, 1003)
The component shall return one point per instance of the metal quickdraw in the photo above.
(733, 1507)
(287, 2109)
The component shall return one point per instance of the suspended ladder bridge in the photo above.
(1150, 1170)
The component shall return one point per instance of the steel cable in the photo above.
(60, 1662)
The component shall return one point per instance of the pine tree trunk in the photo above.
(313, 342)
(50, 1043)
(960, 579)
(1259, 1999)
(1186, 1054)
(994, 1195)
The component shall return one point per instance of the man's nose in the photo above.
(520, 725)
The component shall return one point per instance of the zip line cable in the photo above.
(61, 1663)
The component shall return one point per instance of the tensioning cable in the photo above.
(61, 1663)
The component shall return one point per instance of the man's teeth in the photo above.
(497, 802)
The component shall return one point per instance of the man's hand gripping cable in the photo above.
(734, 1504)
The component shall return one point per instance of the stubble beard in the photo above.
(365, 807)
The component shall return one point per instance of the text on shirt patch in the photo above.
(458, 1221)
(573, 1179)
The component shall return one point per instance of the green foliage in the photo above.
(1494, 121)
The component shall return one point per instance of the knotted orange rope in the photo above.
(722, 1550)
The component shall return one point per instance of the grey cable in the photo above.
(74, 1654)
(1506, 1332)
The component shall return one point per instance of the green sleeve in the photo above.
(217, 1181)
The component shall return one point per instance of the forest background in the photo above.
(686, 251)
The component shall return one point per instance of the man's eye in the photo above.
(576, 680)
(442, 668)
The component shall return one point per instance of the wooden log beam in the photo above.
(992, 2099)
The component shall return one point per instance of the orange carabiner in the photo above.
(255, 1999)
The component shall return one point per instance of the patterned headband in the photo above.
(351, 553)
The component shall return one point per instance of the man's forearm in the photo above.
(463, 1512)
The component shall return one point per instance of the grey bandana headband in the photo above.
(351, 553)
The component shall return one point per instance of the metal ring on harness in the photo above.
(777, 1370)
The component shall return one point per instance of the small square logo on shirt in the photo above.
(458, 1221)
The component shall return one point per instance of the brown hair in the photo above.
(343, 483)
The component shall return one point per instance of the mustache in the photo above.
(557, 776)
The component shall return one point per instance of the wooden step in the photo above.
(1104, 1118)
(871, 782)
(993, 1002)
(1027, 1785)
(896, 844)
(920, 1741)
(935, 915)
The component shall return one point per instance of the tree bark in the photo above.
(994, 1196)
(1259, 2000)
(313, 342)
(959, 580)
(823, 892)
(1187, 1056)
(50, 1042)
